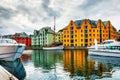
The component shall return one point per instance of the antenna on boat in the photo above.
(96, 47)
(54, 30)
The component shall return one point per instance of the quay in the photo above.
(5, 75)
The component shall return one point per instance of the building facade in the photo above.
(43, 37)
(22, 38)
(83, 32)
(118, 37)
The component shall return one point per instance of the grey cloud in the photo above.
(6, 13)
(50, 11)
(88, 4)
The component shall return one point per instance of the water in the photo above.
(65, 65)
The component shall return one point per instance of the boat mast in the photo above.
(54, 32)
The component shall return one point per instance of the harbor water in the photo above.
(60, 65)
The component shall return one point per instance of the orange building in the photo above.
(83, 32)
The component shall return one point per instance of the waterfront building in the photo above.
(43, 37)
(60, 37)
(22, 38)
(83, 32)
(118, 38)
(9, 36)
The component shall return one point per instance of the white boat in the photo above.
(53, 48)
(5, 75)
(10, 50)
(110, 51)
(105, 43)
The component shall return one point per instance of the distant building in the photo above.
(83, 32)
(60, 36)
(22, 38)
(43, 37)
(118, 38)
(9, 36)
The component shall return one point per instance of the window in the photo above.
(86, 35)
(75, 44)
(64, 36)
(64, 40)
(81, 35)
(71, 32)
(72, 44)
(71, 28)
(71, 36)
(75, 40)
(86, 40)
(85, 27)
(72, 41)
(75, 35)
(67, 40)
(86, 31)
(89, 34)
(75, 31)
(90, 39)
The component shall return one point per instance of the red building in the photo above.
(22, 38)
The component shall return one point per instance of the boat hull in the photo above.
(108, 53)
(11, 53)
(53, 48)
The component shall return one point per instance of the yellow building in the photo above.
(60, 33)
(83, 32)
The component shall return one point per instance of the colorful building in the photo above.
(22, 38)
(43, 37)
(83, 32)
(118, 37)
(60, 36)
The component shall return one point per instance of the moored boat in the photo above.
(53, 47)
(105, 43)
(110, 51)
(10, 50)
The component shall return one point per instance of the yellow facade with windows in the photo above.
(83, 32)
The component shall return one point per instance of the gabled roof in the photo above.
(78, 23)
(23, 34)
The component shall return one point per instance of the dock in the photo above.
(5, 75)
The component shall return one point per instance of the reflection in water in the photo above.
(46, 59)
(14, 67)
(76, 62)
(65, 65)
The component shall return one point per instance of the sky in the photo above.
(28, 15)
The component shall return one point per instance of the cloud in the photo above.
(27, 15)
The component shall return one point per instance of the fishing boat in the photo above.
(109, 51)
(104, 44)
(54, 46)
(10, 50)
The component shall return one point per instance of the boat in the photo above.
(53, 47)
(10, 50)
(5, 75)
(109, 51)
(104, 44)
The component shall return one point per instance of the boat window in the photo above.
(108, 42)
